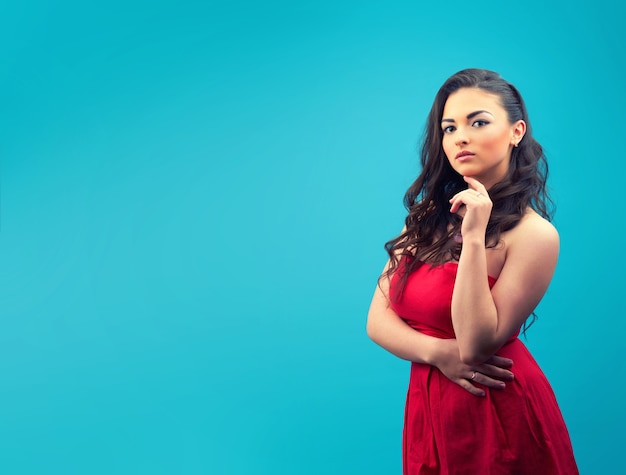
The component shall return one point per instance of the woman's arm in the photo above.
(388, 330)
(483, 318)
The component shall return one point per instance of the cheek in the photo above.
(496, 142)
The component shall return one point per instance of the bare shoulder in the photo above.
(535, 225)
(535, 235)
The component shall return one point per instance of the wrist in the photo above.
(474, 240)
(435, 355)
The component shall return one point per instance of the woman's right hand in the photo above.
(493, 373)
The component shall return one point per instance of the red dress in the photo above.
(447, 430)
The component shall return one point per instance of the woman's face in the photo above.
(477, 135)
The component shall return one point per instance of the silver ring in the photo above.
(473, 376)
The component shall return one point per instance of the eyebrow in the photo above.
(469, 116)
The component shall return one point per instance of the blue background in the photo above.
(194, 199)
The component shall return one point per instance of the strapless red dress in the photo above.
(448, 431)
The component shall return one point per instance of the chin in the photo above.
(466, 172)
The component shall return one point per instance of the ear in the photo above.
(518, 130)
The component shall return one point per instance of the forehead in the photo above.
(467, 100)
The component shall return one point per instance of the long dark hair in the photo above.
(430, 227)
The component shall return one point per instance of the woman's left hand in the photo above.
(477, 208)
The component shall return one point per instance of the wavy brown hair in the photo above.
(430, 227)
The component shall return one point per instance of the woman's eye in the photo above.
(479, 123)
(449, 129)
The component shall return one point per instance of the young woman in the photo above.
(474, 259)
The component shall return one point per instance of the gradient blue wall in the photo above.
(194, 198)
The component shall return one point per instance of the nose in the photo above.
(460, 138)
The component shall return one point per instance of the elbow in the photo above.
(478, 346)
(473, 359)
(473, 356)
(372, 329)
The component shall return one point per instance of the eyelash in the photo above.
(481, 122)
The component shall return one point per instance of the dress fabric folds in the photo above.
(448, 431)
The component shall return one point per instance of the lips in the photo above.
(464, 155)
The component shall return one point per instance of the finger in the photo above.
(493, 376)
(456, 204)
(474, 184)
(485, 380)
(496, 372)
(476, 188)
(500, 361)
(498, 367)
(469, 387)
(459, 200)
(469, 197)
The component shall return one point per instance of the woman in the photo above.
(474, 259)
